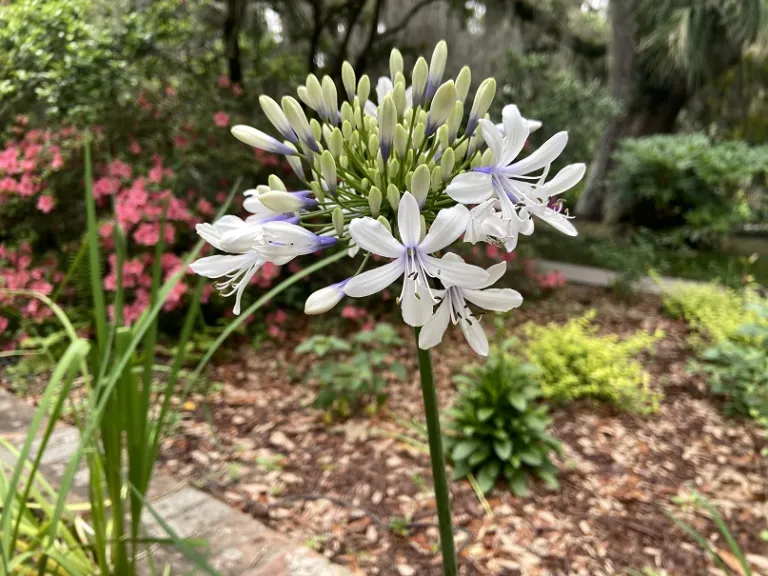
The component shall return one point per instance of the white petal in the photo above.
(371, 235)
(370, 109)
(409, 220)
(515, 133)
(566, 179)
(555, 219)
(221, 265)
(244, 281)
(374, 280)
(545, 155)
(494, 139)
(416, 310)
(446, 229)
(496, 299)
(533, 125)
(475, 335)
(454, 273)
(495, 273)
(383, 87)
(324, 299)
(432, 333)
(470, 188)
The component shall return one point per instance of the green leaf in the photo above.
(324, 398)
(519, 483)
(518, 401)
(549, 479)
(463, 449)
(479, 455)
(484, 413)
(461, 470)
(503, 449)
(531, 457)
(486, 478)
(399, 370)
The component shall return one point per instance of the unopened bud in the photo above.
(463, 82)
(398, 96)
(337, 217)
(315, 92)
(454, 121)
(373, 144)
(336, 143)
(374, 201)
(487, 157)
(423, 232)
(346, 112)
(365, 184)
(304, 96)
(358, 112)
(441, 107)
(348, 79)
(442, 136)
(317, 130)
(299, 122)
(435, 180)
(275, 115)
(483, 100)
(395, 63)
(394, 168)
(385, 223)
(447, 162)
(401, 140)
(324, 299)
(461, 151)
(363, 89)
(318, 191)
(419, 81)
(275, 183)
(387, 124)
(328, 170)
(331, 100)
(418, 135)
(393, 196)
(436, 68)
(344, 162)
(420, 184)
(346, 129)
(408, 180)
(278, 201)
(476, 161)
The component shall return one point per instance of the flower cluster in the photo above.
(402, 178)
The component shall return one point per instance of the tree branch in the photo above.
(415, 9)
(372, 30)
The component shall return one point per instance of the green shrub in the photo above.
(354, 373)
(499, 427)
(686, 184)
(737, 369)
(714, 312)
(576, 362)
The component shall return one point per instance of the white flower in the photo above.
(412, 258)
(505, 178)
(486, 224)
(324, 299)
(254, 204)
(230, 234)
(454, 308)
(280, 242)
(260, 140)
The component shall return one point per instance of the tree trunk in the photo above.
(232, 26)
(623, 84)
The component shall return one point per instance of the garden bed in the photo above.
(359, 491)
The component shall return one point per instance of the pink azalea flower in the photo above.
(3, 323)
(204, 207)
(236, 90)
(45, 204)
(135, 148)
(221, 119)
(223, 81)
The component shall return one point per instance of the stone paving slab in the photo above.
(236, 543)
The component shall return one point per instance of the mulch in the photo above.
(359, 491)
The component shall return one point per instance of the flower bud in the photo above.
(346, 112)
(260, 140)
(363, 89)
(418, 135)
(423, 222)
(387, 124)
(281, 202)
(476, 161)
(442, 137)
(331, 100)
(395, 63)
(275, 115)
(419, 81)
(394, 168)
(324, 299)
(441, 107)
(398, 96)
(420, 184)
(487, 157)
(409, 158)
(385, 223)
(358, 116)
(318, 191)
(299, 122)
(336, 143)
(393, 196)
(380, 167)
(422, 116)
(454, 121)
(435, 179)
(401, 140)
(461, 151)
(275, 183)
(482, 102)
(436, 68)
(348, 79)
(365, 184)
(295, 163)
(374, 201)
(315, 93)
(463, 82)
(317, 130)
(337, 217)
(346, 129)
(446, 163)
(408, 180)
(304, 96)
(328, 170)
(373, 144)
(377, 180)
(355, 140)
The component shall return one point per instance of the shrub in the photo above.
(714, 312)
(737, 369)
(576, 362)
(499, 427)
(354, 373)
(685, 183)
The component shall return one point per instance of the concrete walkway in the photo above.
(238, 545)
(592, 276)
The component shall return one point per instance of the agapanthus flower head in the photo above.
(402, 178)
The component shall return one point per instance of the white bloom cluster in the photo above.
(396, 179)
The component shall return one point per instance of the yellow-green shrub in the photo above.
(715, 312)
(576, 362)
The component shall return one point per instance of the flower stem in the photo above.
(442, 496)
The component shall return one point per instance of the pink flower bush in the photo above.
(45, 204)
(221, 119)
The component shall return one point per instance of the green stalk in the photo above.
(442, 496)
